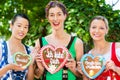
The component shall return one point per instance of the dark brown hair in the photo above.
(53, 4)
(22, 15)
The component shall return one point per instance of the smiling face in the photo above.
(56, 17)
(19, 28)
(98, 29)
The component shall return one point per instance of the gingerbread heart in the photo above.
(54, 58)
(92, 66)
(22, 59)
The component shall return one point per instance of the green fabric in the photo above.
(58, 75)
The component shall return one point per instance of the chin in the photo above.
(95, 39)
(20, 38)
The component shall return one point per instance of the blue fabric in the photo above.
(16, 75)
(4, 60)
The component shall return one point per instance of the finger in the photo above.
(39, 60)
(67, 64)
(70, 60)
(79, 70)
(78, 62)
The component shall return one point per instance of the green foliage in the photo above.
(80, 14)
(35, 11)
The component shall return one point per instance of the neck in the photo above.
(59, 34)
(14, 41)
(15, 45)
(100, 48)
(100, 44)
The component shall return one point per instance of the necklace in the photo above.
(16, 48)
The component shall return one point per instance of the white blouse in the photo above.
(107, 55)
(10, 59)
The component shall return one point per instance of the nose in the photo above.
(55, 17)
(22, 29)
(97, 30)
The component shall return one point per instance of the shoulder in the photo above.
(37, 42)
(79, 41)
(0, 49)
(1, 46)
(117, 44)
(90, 51)
(2, 42)
(118, 50)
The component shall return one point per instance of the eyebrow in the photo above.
(21, 24)
(53, 13)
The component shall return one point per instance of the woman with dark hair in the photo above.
(56, 14)
(19, 26)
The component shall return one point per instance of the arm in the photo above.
(111, 65)
(117, 70)
(5, 69)
(79, 49)
(79, 52)
(38, 67)
(34, 69)
(79, 69)
(10, 67)
(30, 74)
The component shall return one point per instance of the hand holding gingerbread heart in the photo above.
(92, 66)
(54, 58)
(22, 59)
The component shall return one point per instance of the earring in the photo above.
(106, 33)
(10, 29)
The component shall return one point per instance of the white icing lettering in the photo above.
(54, 61)
(21, 60)
(93, 65)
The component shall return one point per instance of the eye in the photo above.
(59, 14)
(102, 28)
(26, 27)
(51, 15)
(93, 27)
(19, 25)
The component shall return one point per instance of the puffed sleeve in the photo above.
(0, 49)
(118, 53)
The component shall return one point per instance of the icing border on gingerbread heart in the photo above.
(54, 48)
(83, 69)
(23, 55)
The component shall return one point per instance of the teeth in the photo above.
(96, 35)
(56, 23)
(21, 34)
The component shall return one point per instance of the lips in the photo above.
(21, 34)
(56, 24)
(96, 35)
